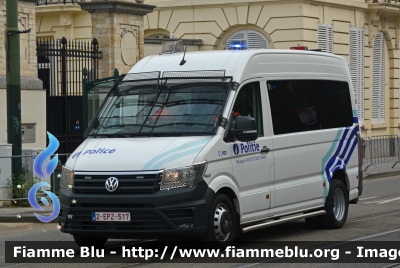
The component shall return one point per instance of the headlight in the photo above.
(67, 178)
(183, 176)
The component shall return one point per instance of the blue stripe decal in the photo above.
(351, 151)
(355, 114)
(174, 157)
(350, 139)
(349, 143)
(188, 145)
(339, 148)
(326, 158)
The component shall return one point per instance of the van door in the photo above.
(253, 161)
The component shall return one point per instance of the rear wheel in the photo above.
(336, 205)
(88, 241)
(221, 221)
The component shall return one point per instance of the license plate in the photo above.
(111, 216)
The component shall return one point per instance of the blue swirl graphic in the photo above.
(39, 164)
(38, 167)
(32, 200)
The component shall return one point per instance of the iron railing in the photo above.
(383, 1)
(380, 149)
(49, 2)
(60, 64)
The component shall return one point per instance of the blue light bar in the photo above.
(238, 45)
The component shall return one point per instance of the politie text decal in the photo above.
(245, 148)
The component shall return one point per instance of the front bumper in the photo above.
(162, 214)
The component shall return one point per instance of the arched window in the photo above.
(254, 39)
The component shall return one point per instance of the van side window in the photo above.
(306, 105)
(248, 103)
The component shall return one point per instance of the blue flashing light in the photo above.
(238, 45)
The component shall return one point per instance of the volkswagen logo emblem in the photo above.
(111, 184)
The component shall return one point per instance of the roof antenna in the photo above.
(183, 60)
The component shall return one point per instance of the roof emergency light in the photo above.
(238, 45)
(298, 47)
(172, 47)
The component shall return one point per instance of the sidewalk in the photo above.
(386, 170)
(10, 214)
(24, 214)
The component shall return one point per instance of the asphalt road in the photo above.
(375, 218)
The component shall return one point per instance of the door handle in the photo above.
(265, 150)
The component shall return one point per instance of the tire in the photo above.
(88, 241)
(336, 206)
(221, 224)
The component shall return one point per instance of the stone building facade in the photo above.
(366, 33)
(33, 96)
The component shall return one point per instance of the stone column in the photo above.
(33, 96)
(118, 28)
(26, 20)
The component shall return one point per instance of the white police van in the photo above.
(216, 143)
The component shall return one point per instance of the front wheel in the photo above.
(221, 220)
(336, 206)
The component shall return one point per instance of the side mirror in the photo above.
(245, 129)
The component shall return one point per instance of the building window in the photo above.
(307, 105)
(254, 39)
(378, 80)
(325, 37)
(357, 67)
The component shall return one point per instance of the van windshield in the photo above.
(162, 107)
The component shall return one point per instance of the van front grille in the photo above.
(127, 184)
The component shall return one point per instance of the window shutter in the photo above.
(325, 37)
(256, 40)
(357, 66)
(253, 38)
(378, 80)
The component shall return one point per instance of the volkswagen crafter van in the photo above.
(215, 144)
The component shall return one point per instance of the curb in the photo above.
(23, 219)
(26, 219)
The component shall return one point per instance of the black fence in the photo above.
(64, 121)
(60, 65)
(47, 2)
(383, 1)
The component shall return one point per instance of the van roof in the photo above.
(232, 61)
